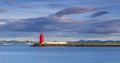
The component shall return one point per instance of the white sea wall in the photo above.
(56, 42)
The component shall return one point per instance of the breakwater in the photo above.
(78, 45)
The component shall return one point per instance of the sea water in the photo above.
(26, 54)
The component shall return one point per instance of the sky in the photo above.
(60, 20)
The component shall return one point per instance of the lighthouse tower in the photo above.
(41, 41)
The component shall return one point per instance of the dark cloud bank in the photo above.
(73, 10)
(100, 13)
(51, 23)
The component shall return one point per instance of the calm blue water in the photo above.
(26, 54)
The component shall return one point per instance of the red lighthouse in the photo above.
(41, 41)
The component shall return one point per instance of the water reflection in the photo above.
(26, 54)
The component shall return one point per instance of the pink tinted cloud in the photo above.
(10, 1)
(2, 9)
(18, 4)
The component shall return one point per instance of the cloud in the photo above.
(36, 24)
(13, 2)
(42, 24)
(10, 1)
(2, 23)
(103, 27)
(27, 7)
(54, 5)
(2, 9)
(49, 24)
(100, 13)
(54, 24)
(73, 10)
(7, 35)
